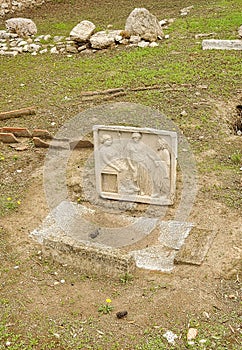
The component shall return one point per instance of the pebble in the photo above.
(170, 337)
(192, 333)
(143, 44)
(54, 50)
(183, 113)
(47, 37)
(154, 44)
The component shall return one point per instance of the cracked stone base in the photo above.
(70, 235)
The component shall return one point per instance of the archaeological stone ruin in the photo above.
(108, 204)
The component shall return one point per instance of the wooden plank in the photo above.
(17, 113)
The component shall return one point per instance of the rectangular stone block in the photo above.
(135, 164)
(213, 44)
(196, 247)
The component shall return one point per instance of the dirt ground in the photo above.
(59, 304)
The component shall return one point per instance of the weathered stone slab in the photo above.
(155, 258)
(173, 233)
(196, 247)
(69, 234)
(86, 258)
(71, 220)
(135, 164)
(213, 44)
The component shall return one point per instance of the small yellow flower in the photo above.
(9, 199)
(18, 202)
(108, 300)
(2, 158)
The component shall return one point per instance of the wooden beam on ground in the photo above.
(17, 113)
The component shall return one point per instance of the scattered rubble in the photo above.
(142, 29)
(9, 7)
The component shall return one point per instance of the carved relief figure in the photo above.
(162, 174)
(109, 153)
(112, 160)
(139, 162)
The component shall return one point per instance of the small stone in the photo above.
(47, 37)
(183, 113)
(22, 43)
(170, 336)
(134, 39)
(82, 48)
(58, 38)
(205, 314)
(43, 51)
(8, 343)
(192, 333)
(167, 36)
(202, 341)
(143, 44)
(26, 48)
(71, 49)
(163, 22)
(118, 38)
(62, 281)
(54, 50)
(153, 44)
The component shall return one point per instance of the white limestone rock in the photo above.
(215, 44)
(134, 39)
(23, 27)
(143, 44)
(104, 39)
(141, 22)
(82, 31)
(54, 50)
